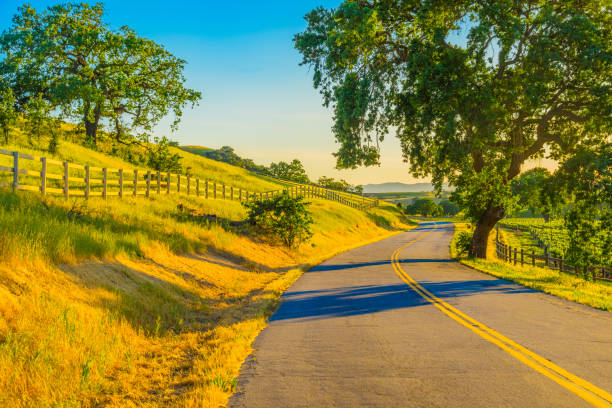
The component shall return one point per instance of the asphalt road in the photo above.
(352, 333)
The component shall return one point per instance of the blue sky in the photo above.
(257, 98)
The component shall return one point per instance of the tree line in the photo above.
(293, 170)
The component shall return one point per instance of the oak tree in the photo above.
(473, 89)
(91, 72)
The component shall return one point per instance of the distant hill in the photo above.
(400, 188)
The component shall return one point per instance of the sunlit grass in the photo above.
(564, 285)
(138, 302)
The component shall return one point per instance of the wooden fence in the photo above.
(351, 199)
(49, 176)
(520, 256)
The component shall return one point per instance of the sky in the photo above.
(256, 96)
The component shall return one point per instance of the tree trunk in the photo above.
(481, 235)
(91, 126)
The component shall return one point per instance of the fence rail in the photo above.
(76, 180)
(520, 256)
(343, 197)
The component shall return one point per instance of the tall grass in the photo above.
(138, 302)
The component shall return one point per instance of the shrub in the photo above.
(282, 217)
(463, 243)
(160, 157)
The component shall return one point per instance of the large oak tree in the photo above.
(473, 89)
(91, 72)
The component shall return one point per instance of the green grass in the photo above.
(563, 285)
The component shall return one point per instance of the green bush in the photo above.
(282, 217)
(160, 157)
(464, 242)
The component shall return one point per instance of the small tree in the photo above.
(290, 171)
(282, 217)
(449, 208)
(160, 157)
(8, 116)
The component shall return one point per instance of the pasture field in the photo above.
(146, 302)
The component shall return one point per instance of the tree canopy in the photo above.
(93, 73)
(472, 88)
(293, 171)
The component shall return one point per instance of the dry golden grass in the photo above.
(563, 285)
(135, 302)
(142, 302)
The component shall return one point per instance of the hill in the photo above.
(399, 188)
(145, 301)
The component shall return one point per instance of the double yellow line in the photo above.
(585, 390)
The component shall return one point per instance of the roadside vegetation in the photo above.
(101, 304)
(564, 285)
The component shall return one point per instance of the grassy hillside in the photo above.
(196, 165)
(140, 302)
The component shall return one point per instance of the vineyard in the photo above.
(542, 237)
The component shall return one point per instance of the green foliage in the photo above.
(226, 154)
(463, 242)
(160, 158)
(532, 189)
(426, 207)
(340, 185)
(91, 72)
(587, 178)
(449, 208)
(293, 171)
(282, 217)
(8, 115)
(528, 79)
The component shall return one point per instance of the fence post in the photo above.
(215, 190)
(178, 183)
(15, 170)
(515, 250)
(43, 175)
(66, 193)
(168, 184)
(158, 182)
(532, 257)
(120, 183)
(223, 191)
(522, 260)
(509, 256)
(546, 254)
(104, 181)
(148, 182)
(135, 182)
(206, 188)
(87, 182)
(240, 195)
(188, 184)
(260, 197)
(198, 187)
(232, 193)
(561, 264)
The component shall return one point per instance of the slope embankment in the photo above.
(146, 301)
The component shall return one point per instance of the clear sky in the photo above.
(256, 97)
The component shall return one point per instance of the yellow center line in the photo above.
(582, 388)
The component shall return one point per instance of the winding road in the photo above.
(399, 324)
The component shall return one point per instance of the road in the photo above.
(364, 330)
